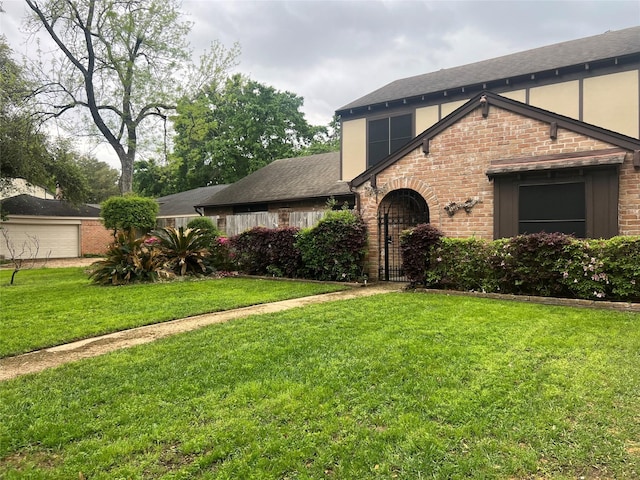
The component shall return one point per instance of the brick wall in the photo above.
(455, 170)
(94, 237)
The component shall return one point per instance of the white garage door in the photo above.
(55, 241)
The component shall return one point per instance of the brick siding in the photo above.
(94, 237)
(455, 170)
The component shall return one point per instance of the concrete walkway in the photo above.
(39, 360)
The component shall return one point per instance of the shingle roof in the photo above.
(315, 176)
(28, 205)
(613, 44)
(182, 203)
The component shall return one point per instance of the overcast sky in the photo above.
(333, 52)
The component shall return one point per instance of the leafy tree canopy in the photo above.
(123, 63)
(236, 128)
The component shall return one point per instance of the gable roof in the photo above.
(288, 179)
(183, 203)
(29, 205)
(612, 44)
(487, 99)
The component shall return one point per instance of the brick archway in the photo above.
(398, 211)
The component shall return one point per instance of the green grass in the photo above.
(47, 307)
(399, 385)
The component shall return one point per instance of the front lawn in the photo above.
(402, 385)
(52, 306)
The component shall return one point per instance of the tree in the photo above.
(232, 130)
(102, 178)
(124, 63)
(151, 179)
(22, 147)
(325, 141)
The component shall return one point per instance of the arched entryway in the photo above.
(398, 211)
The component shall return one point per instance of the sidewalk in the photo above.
(39, 360)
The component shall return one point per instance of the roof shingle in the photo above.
(288, 179)
(611, 44)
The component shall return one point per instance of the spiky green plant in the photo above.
(186, 250)
(130, 259)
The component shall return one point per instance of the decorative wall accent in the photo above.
(452, 207)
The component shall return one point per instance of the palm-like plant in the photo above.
(186, 250)
(129, 259)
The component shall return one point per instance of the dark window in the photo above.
(583, 202)
(556, 207)
(387, 135)
(255, 207)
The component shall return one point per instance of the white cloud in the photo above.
(333, 52)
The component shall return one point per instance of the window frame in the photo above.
(388, 141)
(601, 185)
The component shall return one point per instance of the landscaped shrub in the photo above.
(222, 257)
(266, 251)
(460, 264)
(543, 264)
(621, 255)
(186, 251)
(206, 226)
(128, 260)
(416, 246)
(129, 212)
(335, 248)
(532, 264)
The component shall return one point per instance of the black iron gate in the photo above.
(399, 211)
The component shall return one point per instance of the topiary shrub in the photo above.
(130, 259)
(416, 246)
(129, 213)
(335, 248)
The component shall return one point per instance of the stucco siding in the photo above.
(612, 102)
(354, 148)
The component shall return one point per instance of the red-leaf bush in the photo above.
(416, 246)
(266, 251)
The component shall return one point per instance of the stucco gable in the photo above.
(484, 102)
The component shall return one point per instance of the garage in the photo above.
(57, 225)
(55, 240)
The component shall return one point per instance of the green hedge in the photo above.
(334, 249)
(129, 213)
(542, 264)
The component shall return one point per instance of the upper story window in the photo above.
(387, 135)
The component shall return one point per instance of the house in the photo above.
(542, 140)
(287, 192)
(177, 210)
(11, 187)
(62, 230)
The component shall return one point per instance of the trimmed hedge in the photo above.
(130, 212)
(541, 264)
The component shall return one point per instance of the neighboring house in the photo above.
(177, 210)
(62, 230)
(542, 140)
(12, 187)
(287, 192)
